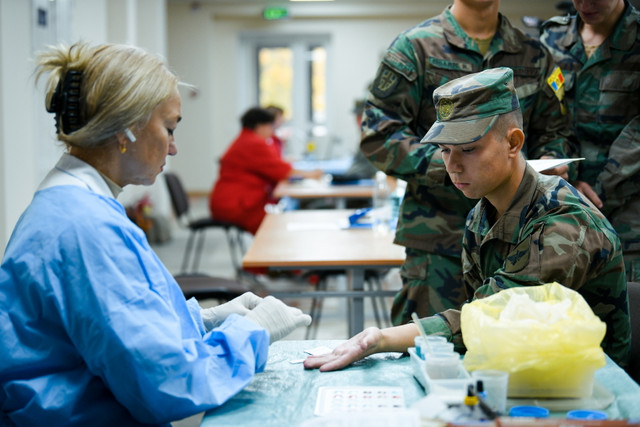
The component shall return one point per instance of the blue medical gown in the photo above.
(95, 330)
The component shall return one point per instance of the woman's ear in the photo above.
(122, 140)
(515, 138)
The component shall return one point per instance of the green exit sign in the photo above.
(273, 13)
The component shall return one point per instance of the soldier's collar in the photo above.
(451, 30)
(571, 37)
(622, 38)
(505, 228)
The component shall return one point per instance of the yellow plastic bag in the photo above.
(546, 337)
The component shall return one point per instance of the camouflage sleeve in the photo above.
(543, 253)
(620, 179)
(546, 246)
(446, 324)
(548, 133)
(544, 250)
(452, 316)
(391, 131)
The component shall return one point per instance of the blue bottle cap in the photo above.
(529, 411)
(582, 414)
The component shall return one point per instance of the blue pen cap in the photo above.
(583, 414)
(529, 411)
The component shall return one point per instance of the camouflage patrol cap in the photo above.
(468, 106)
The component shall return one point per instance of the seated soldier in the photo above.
(528, 229)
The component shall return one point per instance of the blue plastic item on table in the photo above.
(529, 411)
(583, 414)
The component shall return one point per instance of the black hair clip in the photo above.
(65, 102)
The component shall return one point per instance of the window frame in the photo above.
(301, 119)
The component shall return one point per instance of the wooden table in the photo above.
(312, 239)
(318, 189)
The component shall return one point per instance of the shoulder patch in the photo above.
(556, 83)
(385, 82)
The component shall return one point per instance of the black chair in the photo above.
(202, 286)
(198, 227)
(634, 310)
(193, 283)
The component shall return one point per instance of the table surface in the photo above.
(311, 238)
(285, 393)
(318, 188)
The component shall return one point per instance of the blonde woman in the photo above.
(95, 330)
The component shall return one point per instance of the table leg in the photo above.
(356, 304)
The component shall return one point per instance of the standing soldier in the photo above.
(467, 37)
(599, 54)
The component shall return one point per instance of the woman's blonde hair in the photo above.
(113, 86)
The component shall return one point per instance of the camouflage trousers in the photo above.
(632, 265)
(431, 283)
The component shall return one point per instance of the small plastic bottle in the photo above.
(396, 200)
(471, 402)
(381, 204)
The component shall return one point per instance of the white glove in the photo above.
(278, 318)
(213, 317)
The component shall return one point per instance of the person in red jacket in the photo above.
(249, 170)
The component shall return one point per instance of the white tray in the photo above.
(601, 398)
(453, 391)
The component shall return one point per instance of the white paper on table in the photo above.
(358, 399)
(319, 351)
(316, 351)
(540, 165)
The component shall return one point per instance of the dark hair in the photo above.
(274, 109)
(256, 116)
(506, 121)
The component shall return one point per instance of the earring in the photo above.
(123, 149)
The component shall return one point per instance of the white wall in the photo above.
(27, 141)
(17, 165)
(192, 48)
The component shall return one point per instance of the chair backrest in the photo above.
(634, 311)
(179, 198)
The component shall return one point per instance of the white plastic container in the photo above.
(381, 204)
(451, 391)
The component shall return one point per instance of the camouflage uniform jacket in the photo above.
(549, 233)
(400, 110)
(603, 100)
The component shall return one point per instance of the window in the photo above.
(275, 78)
(291, 72)
(318, 76)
